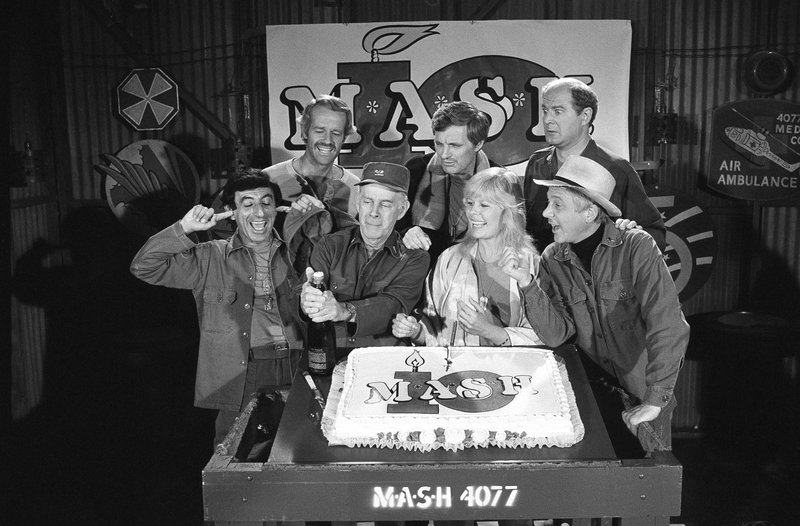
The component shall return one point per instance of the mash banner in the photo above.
(395, 76)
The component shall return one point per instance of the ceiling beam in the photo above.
(485, 10)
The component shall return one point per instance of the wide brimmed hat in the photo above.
(587, 177)
(392, 176)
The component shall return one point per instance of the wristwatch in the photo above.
(351, 309)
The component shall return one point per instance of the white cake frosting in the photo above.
(425, 398)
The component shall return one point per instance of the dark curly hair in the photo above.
(247, 179)
(462, 113)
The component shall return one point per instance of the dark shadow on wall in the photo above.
(750, 355)
(774, 288)
(748, 392)
(116, 439)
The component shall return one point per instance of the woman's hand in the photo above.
(404, 326)
(475, 319)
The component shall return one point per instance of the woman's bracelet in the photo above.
(507, 340)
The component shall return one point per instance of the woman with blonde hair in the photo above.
(471, 300)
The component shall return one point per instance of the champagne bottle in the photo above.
(320, 339)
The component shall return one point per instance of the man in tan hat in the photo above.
(610, 292)
(370, 274)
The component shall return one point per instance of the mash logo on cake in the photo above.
(470, 391)
(428, 398)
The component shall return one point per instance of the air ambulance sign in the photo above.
(755, 150)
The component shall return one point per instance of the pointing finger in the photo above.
(223, 215)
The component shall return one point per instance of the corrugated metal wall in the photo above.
(34, 228)
(33, 206)
(703, 48)
(215, 50)
(192, 43)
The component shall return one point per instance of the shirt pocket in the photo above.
(577, 303)
(621, 305)
(217, 310)
(379, 285)
(574, 296)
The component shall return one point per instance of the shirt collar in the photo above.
(551, 156)
(589, 151)
(612, 237)
(394, 244)
(481, 163)
(235, 242)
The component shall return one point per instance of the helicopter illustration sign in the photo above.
(755, 150)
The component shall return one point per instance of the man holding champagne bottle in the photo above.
(371, 275)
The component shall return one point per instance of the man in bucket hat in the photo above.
(610, 292)
(370, 274)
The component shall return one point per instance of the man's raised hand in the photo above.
(201, 218)
(626, 224)
(305, 202)
(517, 264)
